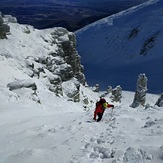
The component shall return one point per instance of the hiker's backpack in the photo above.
(101, 101)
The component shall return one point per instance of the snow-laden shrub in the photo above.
(141, 89)
(160, 101)
(116, 94)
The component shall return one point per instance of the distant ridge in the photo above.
(70, 14)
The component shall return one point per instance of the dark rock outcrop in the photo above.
(4, 28)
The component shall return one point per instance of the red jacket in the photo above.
(101, 109)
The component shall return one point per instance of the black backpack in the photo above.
(101, 101)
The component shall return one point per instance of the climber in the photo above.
(101, 105)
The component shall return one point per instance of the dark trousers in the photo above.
(99, 116)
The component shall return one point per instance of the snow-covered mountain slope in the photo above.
(115, 50)
(38, 125)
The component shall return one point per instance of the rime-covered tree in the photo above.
(116, 94)
(141, 89)
(160, 101)
(109, 90)
(96, 88)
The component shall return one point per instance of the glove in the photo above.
(113, 107)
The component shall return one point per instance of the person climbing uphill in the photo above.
(101, 105)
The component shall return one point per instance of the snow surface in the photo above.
(111, 48)
(55, 130)
(59, 132)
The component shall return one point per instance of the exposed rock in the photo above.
(134, 32)
(4, 28)
(65, 72)
(160, 101)
(86, 101)
(57, 89)
(149, 43)
(64, 62)
(66, 42)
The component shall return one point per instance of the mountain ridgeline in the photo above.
(70, 14)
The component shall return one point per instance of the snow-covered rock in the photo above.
(133, 156)
(22, 83)
(4, 28)
(46, 56)
(9, 18)
(160, 101)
